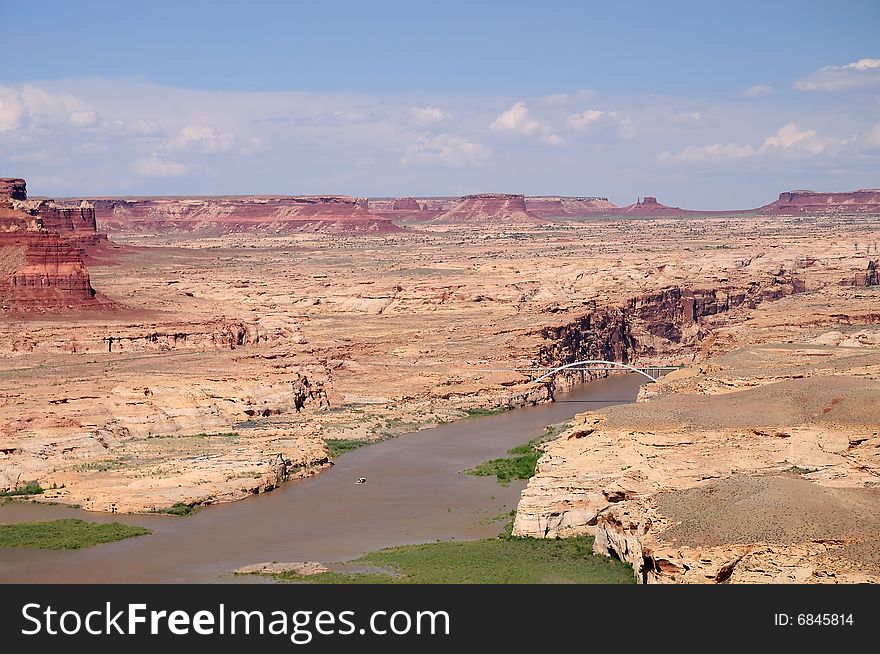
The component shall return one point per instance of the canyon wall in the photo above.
(224, 215)
(659, 327)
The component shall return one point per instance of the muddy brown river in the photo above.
(415, 492)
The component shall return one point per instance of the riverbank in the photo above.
(416, 492)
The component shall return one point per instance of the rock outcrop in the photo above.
(405, 204)
(668, 322)
(735, 471)
(868, 277)
(12, 189)
(489, 208)
(41, 263)
(648, 206)
(244, 214)
(801, 202)
(554, 206)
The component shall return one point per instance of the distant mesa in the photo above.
(558, 206)
(241, 214)
(801, 202)
(648, 206)
(406, 204)
(489, 208)
(41, 253)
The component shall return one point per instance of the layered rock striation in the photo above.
(489, 208)
(801, 202)
(41, 260)
(553, 206)
(229, 215)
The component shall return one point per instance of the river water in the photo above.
(416, 492)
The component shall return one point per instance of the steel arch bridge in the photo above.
(617, 364)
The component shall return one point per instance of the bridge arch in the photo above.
(550, 373)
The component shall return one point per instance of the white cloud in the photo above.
(870, 140)
(759, 91)
(12, 110)
(446, 150)
(516, 119)
(427, 115)
(153, 166)
(84, 119)
(788, 139)
(583, 120)
(714, 152)
(141, 127)
(864, 72)
(200, 138)
(621, 121)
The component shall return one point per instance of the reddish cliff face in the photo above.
(339, 214)
(12, 189)
(798, 202)
(489, 208)
(405, 204)
(41, 267)
(550, 206)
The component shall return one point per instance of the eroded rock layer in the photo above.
(489, 208)
(550, 206)
(41, 263)
(241, 214)
(755, 466)
(800, 202)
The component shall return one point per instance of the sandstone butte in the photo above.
(237, 343)
(41, 257)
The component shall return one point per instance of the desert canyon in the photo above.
(157, 351)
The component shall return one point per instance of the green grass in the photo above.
(66, 534)
(30, 488)
(521, 464)
(490, 561)
(339, 446)
(180, 508)
(482, 413)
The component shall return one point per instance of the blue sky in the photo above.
(708, 105)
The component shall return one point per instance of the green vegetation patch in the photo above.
(66, 534)
(339, 446)
(180, 508)
(30, 488)
(482, 413)
(521, 464)
(489, 561)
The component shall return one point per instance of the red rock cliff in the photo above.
(489, 208)
(41, 269)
